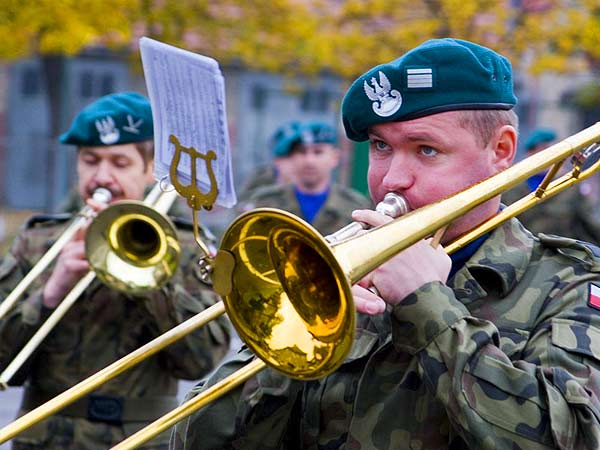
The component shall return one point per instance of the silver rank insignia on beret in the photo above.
(386, 101)
(109, 133)
(307, 137)
(419, 78)
(133, 126)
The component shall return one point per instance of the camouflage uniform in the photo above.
(505, 356)
(263, 176)
(103, 326)
(568, 213)
(333, 215)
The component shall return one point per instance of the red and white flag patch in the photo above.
(594, 297)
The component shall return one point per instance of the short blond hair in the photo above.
(483, 123)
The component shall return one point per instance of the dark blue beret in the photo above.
(292, 133)
(539, 136)
(284, 138)
(318, 133)
(438, 75)
(114, 119)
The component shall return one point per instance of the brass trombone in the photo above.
(131, 246)
(276, 273)
(316, 276)
(101, 195)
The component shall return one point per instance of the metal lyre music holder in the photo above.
(196, 199)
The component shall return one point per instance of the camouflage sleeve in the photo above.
(22, 321)
(255, 415)
(183, 297)
(547, 397)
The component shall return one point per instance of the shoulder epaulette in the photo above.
(550, 240)
(267, 191)
(47, 219)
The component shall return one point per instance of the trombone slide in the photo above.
(101, 195)
(157, 199)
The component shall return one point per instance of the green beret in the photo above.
(114, 119)
(438, 75)
(284, 138)
(318, 133)
(539, 136)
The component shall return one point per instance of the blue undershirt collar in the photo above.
(460, 257)
(310, 204)
(534, 181)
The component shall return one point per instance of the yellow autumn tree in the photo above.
(345, 37)
(308, 36)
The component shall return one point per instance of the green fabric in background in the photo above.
(360, 164)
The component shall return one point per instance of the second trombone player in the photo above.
(113, 136)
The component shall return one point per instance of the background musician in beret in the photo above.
(281, 168)
(114, 141)
(311, 193)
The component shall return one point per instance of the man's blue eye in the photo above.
(380, 145)
(428, 151)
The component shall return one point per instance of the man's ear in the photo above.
(336, 155)
(150, 172)
(505, 147)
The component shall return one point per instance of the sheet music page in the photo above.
(187, 93)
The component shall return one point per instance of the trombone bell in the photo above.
(304, 333)
(132, 247)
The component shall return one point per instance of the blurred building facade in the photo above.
(36, 171)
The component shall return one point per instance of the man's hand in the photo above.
(403, 274)
(71, 266)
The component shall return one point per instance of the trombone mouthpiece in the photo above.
(393, 205)
(102, 195)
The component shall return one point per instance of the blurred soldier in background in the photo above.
(312, 195)
(569, 213)
(115, 151)
(280, 171)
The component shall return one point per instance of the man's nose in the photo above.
(104, 173)
(309, 157)
(400, 174)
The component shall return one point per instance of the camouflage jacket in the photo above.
(568, 213)
(333, 215)
(263, 176)
(503, 356)
(101, 327)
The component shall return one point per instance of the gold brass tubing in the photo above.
(348, 261)
(521, 205)
(83, 216)
(190, 406)
(45, 329)
(541, 189)
(111, 371)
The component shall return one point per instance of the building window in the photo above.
(258, 98)
(95, 85)
(315, 100)
(30, 82)
(86, 84)
(108, 84)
